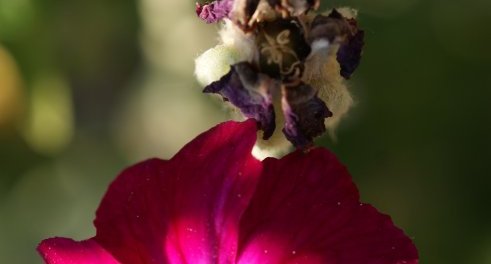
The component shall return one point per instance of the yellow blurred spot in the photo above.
(50, 124)
(11, 95)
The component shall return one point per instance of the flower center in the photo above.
(282, 49)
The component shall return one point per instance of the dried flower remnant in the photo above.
(304, 59)
(214, 11)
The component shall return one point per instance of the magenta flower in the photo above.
(213, 202)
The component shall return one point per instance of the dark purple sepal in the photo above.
(249, 91)
(214, 11)
(304, 114)
(349, 54)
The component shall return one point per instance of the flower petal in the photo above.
(215, 11)
(66, 251)
(304, 114)
(187, 209)
(250, 92)
(306, 209)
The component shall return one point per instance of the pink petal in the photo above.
(67, 251)
(185, 210)
(214, 11)
(306, 209)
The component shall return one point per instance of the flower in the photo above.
(297, 62)
(213, 202)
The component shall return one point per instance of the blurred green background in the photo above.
(88, 87)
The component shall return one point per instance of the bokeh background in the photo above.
(88, 87)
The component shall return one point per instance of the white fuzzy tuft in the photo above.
(214, 63)
(259, 153)
(322, 71)
(277, 149)
(232, 36)
(235, 47)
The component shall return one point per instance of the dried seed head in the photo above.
(285, 59)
